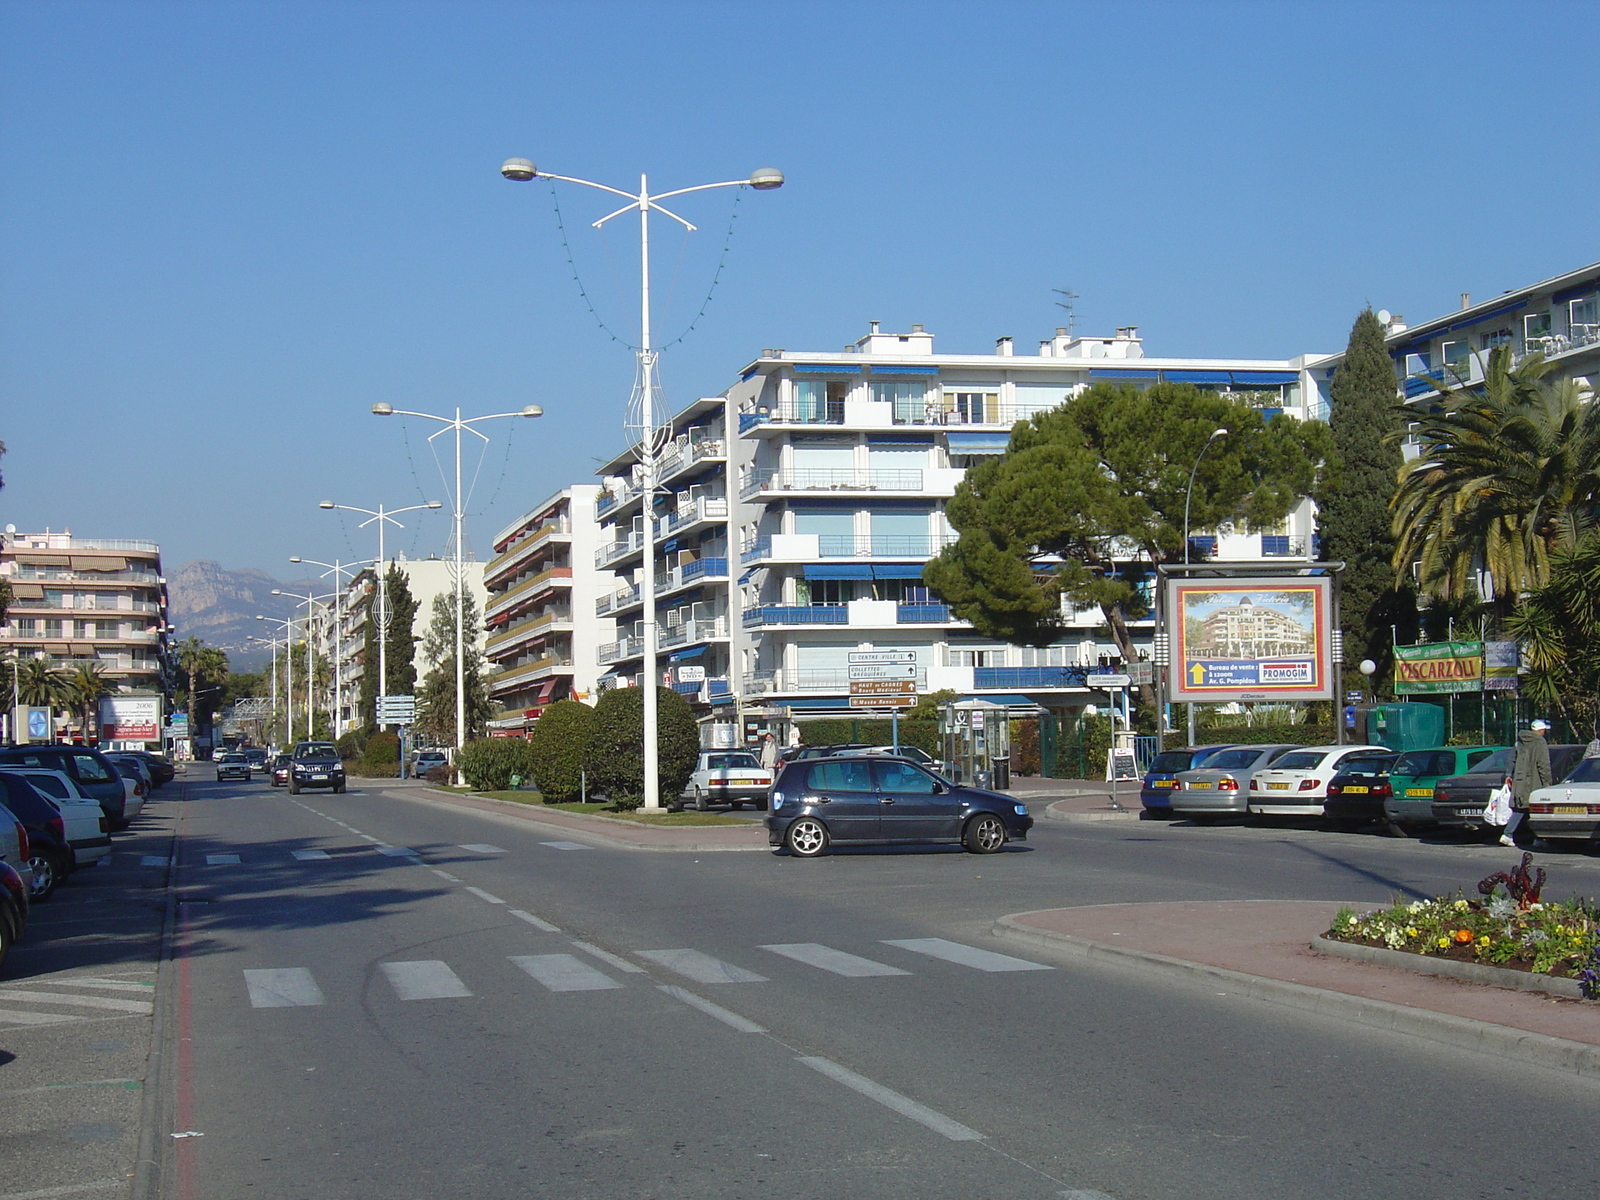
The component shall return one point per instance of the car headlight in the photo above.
(1020, 809)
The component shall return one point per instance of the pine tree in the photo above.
(436, 705)
(402, 639)
(366, 713)
(1353, 503)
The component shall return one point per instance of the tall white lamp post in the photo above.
(459, 426)
(338, 570)
(272, 675)
(381, 516)
(763, 179)
(312, 600)
(288, 683)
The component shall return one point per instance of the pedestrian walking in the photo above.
(769, 751)
(1530, 771)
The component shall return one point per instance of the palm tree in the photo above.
(42, 684)
(1506, 476)
(200, 663)
(86, 685)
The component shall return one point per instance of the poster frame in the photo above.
(1181, 687)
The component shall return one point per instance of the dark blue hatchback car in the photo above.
(1162, 777)
(882, 800)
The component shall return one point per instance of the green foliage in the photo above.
(615, 758)
(380, 757)
(559, 741)
(352, 744)
(43, 684)
(436, 704)
(401, 648)
(367, 688)
(1559, 628)
(921, 732)
(1025, 747)
(1353, 501)
(1255, 735)
(487, 764)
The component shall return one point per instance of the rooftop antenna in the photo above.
(1071, 299)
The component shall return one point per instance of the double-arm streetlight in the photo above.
(1216, 436)
(312, 600)
(272, 675)
(288, 683)
(381, 516)
(338, 570)
(459, 426)
(763, 179)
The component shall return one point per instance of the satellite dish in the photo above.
(1384, 316)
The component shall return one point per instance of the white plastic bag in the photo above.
(1498, 811)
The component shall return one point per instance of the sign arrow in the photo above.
(1197, 674)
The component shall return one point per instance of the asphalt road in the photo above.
(387, 997)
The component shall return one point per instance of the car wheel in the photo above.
(699, 800)
(985, 834)
(1401, 829)
(338, 788)
(294, 788)
(806, 838)
(46, 875)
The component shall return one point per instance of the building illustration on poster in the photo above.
(1250, 639)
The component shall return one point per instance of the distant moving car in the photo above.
(1221, 787)
(1459, 801)
(232, 765)
(1414, 776)
(49, 854)
(1569, 810)
(1155, 792)
(876, 799)
(1296, 784)
(278, 772)
(14, 880)
(315, 765)
(425, 760)
(731, 777)
(89, 769)
(256, 756)
(1358, 793)
(88, 827)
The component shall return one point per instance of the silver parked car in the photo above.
(1221, 788)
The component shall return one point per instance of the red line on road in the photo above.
(185, 1186)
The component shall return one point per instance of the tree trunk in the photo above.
(1119, 635)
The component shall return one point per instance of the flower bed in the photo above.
(1509, 927)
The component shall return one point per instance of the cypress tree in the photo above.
(366, 713)
(1353, 503)
(402, 640)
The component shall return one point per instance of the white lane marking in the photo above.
(429, 979)
(366, 836)
(564, 973)
(27, 1018)
(536, 922)
(815, 955)
(965, 956)
(566, 845)
(222, 860)
(67, 1189)
(606, 956)
(701, 968)
(32, 997)
(396, 851)
(482, 848)
(486, 897)
(115, 985)
(742, 1024)
(904, 1105)
(1074, 1194)
(309, 855)
(154, 860)
(446, 875)
(283, 987)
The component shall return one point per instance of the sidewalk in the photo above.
(1262, 949)
(1078, 799)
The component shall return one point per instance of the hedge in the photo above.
(921, 732)
(380, 759)
(559, 742)
(1254, 735)
(487, 764)
(615, 755)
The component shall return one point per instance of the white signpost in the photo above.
(884, 679)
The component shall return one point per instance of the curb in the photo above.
(151, 1155)
(1499, 1041)
(1050, 814)
(1520, 981)
(526, 813)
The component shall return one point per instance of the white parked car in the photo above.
(1297, 784)
(88, 829)
(731, 777)
(1569, 809)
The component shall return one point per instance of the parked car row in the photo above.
(1350, 787)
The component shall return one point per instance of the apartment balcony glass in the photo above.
(796, 614)
(687, 633)
(1275, 545)
(700, 570)
(622, 598)
(681, 458)
(799, 547)
(830, 479)
(1029, 677)
(705, 508)
(820, 679)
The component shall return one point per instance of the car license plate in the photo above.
(1277, 787)
(746, 781)
(1198, 786)
(1571, 810)
(319, 777)
(1164, 783)
(1419, 791)
(1355, 791)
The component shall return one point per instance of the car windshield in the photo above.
(52, 784)
(725, 762)
(1498, 763)
(315, 750)
(1301, 760)
(1426, 762)
(1169, 761)
(1365, 766)
(230, 758)
(1226, 760)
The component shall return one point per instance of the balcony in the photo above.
(532, 672)
(31, 574)
(523, 630)
(680, 459)
(622, 598)
(939, 410)
(689, 633)
(824, 679)
(810, 547)
(796, 614)
(831, 479)
(700, 570)
(611, 500)
(628, 647)
(618, 550)
(705, 508)
(923, 614)
(530, 545)
(865, 613)
(1275, 545)
(528, 588)
(1012, 678)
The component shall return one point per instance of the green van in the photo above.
(1413, 776)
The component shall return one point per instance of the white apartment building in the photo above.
(544, 634)
(794, 513)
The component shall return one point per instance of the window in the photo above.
(906, 399)
(52, 627)
(1498, 337)
(824, 591)
(1536, 325)
(1585, 311)
(903, 778)
(89, 770)
(732, 762)
(978, 658)
(973, 408)
(53, 598)
(845, 775)
(1457, 356)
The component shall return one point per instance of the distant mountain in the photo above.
(219, 606)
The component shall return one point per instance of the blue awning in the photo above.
(825, 369)
(909, 571)
(989, 441)
(1484, 316)
(1270, 378)
(1572, 293)
(680, 655)
(1196, 376)
(883, 369)
(838, 571)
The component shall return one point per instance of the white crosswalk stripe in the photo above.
(482, 848)
(565, 973)
(426, 980)
(965, 956)
(849, 965)
(566, 845)
(283, 987)
(309, 855)
(701, 968)
(32, 1006)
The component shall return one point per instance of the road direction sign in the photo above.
(882, 656)
(884, 687)
(1143, 672)
(883, 701)
(882, 671)
(396, 710)
(1108, 682)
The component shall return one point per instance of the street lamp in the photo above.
(272, 672)
(288, 683)
(337, 568)
(459, 426)
(1188, 494)
(763, 179)
(311, 600)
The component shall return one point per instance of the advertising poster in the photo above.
(1250, 639)
(1500, 663)
(1439, 667)
(130, 718)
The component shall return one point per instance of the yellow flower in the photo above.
(1461, 906)
(1484, 940)
(1411, 931)
(1444, 943)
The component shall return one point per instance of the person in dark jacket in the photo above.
(1530, 771)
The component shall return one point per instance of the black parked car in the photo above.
(881, 799)
(49, 852)
(89, 769)
(1356, 794)
(13, 899)
(315, 765)
(1459, 801)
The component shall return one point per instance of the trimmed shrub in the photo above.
(441, 774)
(381, 757)
(558, 742)
(615, 757)
(352, 744)
(1254, 735)
(487, 764)
(921, 732)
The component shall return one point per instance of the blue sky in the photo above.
(226, 229)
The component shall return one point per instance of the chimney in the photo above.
(872, 326)
(1061, 331)
(1002, 347)
(1466, 299)
(916, 329)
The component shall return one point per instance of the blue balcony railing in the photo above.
(797, 614)
(1029, 677)
(923, 614)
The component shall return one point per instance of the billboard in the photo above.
(1250, 639)
(1500, 662)
(1435, 668)
(130, 718)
